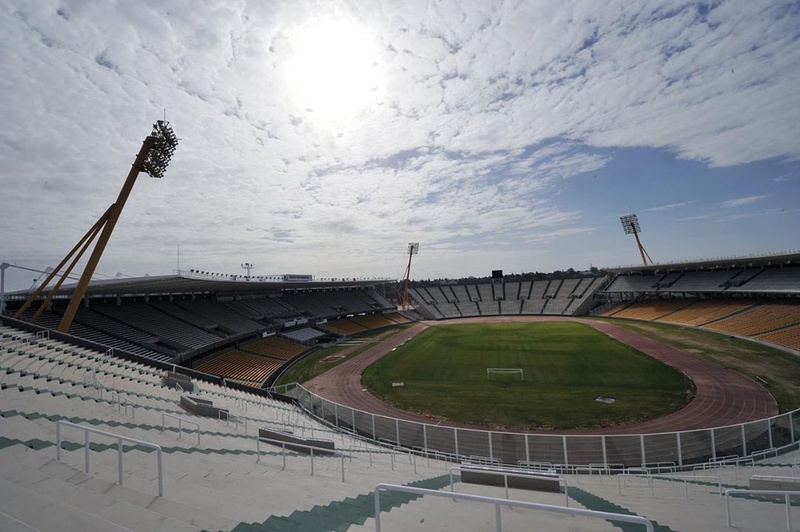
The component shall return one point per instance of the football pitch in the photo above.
(566, 367)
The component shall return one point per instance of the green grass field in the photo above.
(566, 366)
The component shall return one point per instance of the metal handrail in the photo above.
(686, 481)
(123, 401)
(311, 448)
(786, 495)
(181, 420)
(499, 503)
(86, 430)
(506, 474)
(775, 477)
(321, 409)
(232, 417)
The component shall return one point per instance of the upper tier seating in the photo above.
(198, 320)
(226, 317)
(149, 319)
(780, 280)
(273, 307)
(712, 281)
(310, 304)
(632, 283)
(557, 296)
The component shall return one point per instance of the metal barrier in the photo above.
(181, 421)
(232, 418)
(687, 480)
(123, 401)
(786, 495)
(643, 474)
(311, 448)
(676, 450)
(87, 430)
(499, 503)
(506, 474)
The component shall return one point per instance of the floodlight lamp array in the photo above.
(413, 248)
(630, 224)
(160, 154)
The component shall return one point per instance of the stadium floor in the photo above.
(722, 396)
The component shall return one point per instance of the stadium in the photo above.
(514, 379)
(143, 353)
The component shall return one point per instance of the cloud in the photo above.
(739, 202)
(669, 207)
(784, 178)
(479, 124)
(760, 214)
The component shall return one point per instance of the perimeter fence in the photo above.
(667, 450)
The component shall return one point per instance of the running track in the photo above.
(722, 396)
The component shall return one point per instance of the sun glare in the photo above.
(334, 71)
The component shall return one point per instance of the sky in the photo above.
(322, 137)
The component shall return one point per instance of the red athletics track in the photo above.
(722, 396)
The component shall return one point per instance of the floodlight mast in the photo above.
(413, 249)
(153, 159)
(630, 224)
(248, 266)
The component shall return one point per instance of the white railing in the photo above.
(181, 421)
(693, 480)
(622, 481)
(786, 496)
(499, 503)
(310, 448)
(793, 480)
(232, 418)
(391, 452)
(123, 401)
(506, 474)
(87, 430)
(676, 451)
(602, 469)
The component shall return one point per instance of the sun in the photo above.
(334, 71)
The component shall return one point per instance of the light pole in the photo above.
(630, 224)
(248, 266)
(153, 159)
(413, 249)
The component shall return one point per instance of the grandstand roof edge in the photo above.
(779, 259)
(169, 284)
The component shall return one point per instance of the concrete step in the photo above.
(70, 491)
(122, 505)
(9, 524)
(45, 513)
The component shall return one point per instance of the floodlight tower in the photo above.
(248, 266)
(153, 158)
(413, 249)
(630, 224)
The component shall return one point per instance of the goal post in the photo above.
(504, 372)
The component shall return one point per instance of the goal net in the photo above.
(504, 373)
